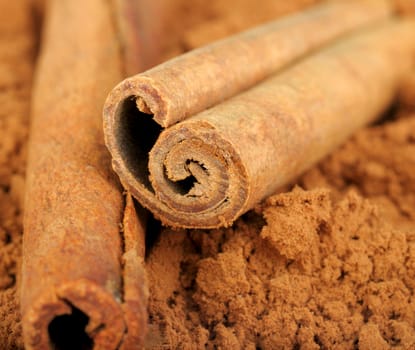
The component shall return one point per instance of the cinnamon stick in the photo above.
(192, 82)
(83, 283)
(212, 167)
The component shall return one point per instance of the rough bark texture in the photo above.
(78, 269)
(209, 169)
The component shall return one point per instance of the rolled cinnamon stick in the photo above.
(82, 281)
(207, 170)
(195, 81)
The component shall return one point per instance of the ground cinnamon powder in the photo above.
(329, 263)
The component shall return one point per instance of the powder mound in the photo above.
(346, 283)
(295, 220)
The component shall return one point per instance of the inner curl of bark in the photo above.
(138, 133)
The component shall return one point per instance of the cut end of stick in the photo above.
(68, 331)
(187, 175)
(77, 315)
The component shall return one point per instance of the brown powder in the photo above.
(16, 66)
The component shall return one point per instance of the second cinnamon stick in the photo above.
(210, 168)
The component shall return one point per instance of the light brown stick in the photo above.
(82, 277)
(200, 79)
(216, 165)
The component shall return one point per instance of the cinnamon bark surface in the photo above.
(212, 167)
(82, 283)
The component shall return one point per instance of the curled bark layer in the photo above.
(210, 168)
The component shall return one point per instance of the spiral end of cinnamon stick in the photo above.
(186, 175)
(197, 175)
